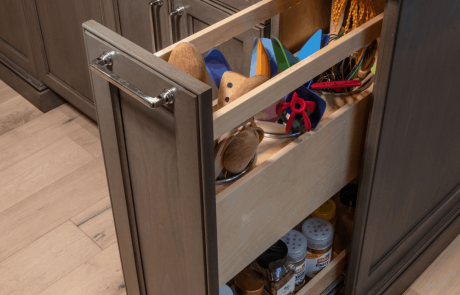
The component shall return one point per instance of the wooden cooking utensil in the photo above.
(242, 149)
(187, 58)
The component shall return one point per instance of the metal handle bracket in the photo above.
(155, 40)
(104, 61)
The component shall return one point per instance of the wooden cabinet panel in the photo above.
(411, 177)
(136, 25)
(15, 47)
(58, 38)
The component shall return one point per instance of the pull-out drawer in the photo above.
(176, 235)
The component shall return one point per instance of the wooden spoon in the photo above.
(241, 150)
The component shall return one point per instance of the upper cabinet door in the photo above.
(15, 48)
(411, 176)
(60, 49)
(145, 22)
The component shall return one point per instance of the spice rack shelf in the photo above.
(325, 277)
(160, 163)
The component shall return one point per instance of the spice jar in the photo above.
(320, 235)
(225, 290)
(297, 249)
(345, 216)
(249, 282)
(278, 274)
(327, 211)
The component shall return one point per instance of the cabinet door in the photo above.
(411, 178)
(57, 36)
(197, 16)
(15, 48)
(138, 25)
(162, 189)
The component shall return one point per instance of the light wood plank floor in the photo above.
(56, 228)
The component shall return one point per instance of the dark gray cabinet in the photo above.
(15, 47)
(146, 23)
(59, 47)
(410, 192)
(17, 61)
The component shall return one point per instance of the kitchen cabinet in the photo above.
(146, 23)
(173, 226)
(17, 62)
(59, 47)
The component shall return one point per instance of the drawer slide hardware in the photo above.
(104, 61)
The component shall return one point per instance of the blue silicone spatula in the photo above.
(217, 65)
(312, 46)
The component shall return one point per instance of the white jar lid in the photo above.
(225, 290)
(319, 233)
(297, 244)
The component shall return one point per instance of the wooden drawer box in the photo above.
(176, 236)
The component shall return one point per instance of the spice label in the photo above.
(288, 288)
(300, 273)
(314, 262)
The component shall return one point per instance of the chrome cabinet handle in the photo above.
(155, 40)
(101, 63)
(179, 11)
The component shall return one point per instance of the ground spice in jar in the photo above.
(320, 235)
(297, 249)
(279, 276)
(249, 282)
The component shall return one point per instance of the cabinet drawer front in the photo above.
(248, 216)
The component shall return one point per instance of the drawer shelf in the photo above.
(324, 278)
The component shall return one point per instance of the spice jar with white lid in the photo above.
(297, 249)
(278, 274)
(320, 235)
(225, 290)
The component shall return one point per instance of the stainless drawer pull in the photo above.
(178, 11)
(173, 25)
(105, 60)
(153, 24)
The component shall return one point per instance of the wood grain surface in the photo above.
(410, 186)
(101, 274)
(257, 210)
(46, 260)
(41, 212)
(40, 170)
(97, 223)
(28, 139)
(15, 112)
(442, 276)
(326, 276)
